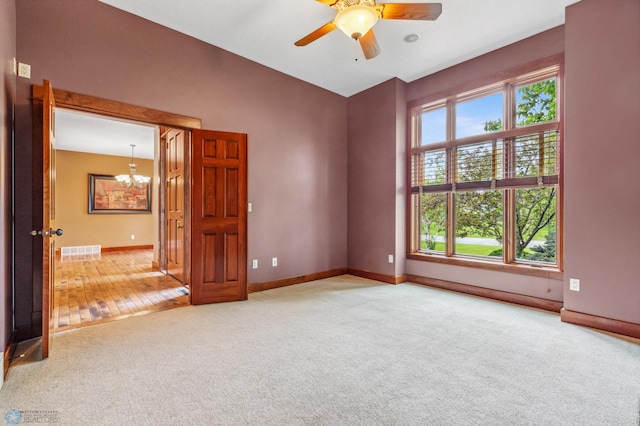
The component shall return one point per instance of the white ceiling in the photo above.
(83, 132)
(264, 32)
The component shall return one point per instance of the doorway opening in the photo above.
(113, 263)
(215, 197)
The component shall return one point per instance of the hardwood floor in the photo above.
(90, 289)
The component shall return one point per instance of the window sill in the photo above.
(514, 268)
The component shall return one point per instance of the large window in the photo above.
(485, 173)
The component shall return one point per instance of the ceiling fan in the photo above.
(357, 17)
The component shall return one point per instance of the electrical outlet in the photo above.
(133, 237)
(390, 258)
(274, 261)
(574, 284)
(24, 70)
(250, 208)
(255, 263)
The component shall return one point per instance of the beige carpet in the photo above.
(340, 351)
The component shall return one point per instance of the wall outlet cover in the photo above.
(24, 70)
(574, 284)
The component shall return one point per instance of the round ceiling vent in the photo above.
(411, 38)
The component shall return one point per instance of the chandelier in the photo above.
(132, 179)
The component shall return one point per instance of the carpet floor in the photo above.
(338, 351)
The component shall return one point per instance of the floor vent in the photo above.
(80, 250)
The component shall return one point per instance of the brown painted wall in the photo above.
(297, 132)
(72, 194)
(7, 100)
(602, 157)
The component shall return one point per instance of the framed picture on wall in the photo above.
(107, 195)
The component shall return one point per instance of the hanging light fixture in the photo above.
(356, 17)
(132, 179)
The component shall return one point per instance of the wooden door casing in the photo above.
(175, 201)
(42, 302)
(48, 213)
(233, 285)
(218, 217)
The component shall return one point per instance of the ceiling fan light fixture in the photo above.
(355, 21)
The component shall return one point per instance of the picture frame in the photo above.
(108, 196)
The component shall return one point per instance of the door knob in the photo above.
(44, 233)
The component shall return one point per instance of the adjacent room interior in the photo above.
(107, 261)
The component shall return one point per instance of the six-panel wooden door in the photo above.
(218, 217)
(175, 202)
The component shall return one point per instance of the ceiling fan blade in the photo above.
(323, 30)
(412, 11)
(369, 45)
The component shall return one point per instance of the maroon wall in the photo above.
(602, 158)
(7, 99)
(297, 132)
(401, 178)
(298, 138)
(373, 153)
(539, 46)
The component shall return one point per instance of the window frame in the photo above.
(507, 82)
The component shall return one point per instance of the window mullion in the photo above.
(509, 219)
(494, 160)
(508, 195)
(450, 226)
(450, 230)
(541, 154)
(510, 107)
(415, 234)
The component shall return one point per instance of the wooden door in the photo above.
(48, 213)
(219, 217)
(175, 201)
